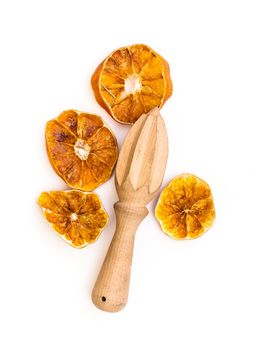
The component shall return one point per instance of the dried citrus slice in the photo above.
(75, 216)
(185, 208)
(81, 149)
(131, 81)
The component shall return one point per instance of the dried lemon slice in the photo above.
(185, 209)
(81, 149)
(131, 81)
(75, 216)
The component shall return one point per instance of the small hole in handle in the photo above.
(103, 299)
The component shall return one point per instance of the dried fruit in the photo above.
(81, 149)
(75, 216)
(185, 208)
(131, 81)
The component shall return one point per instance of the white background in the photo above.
(184, 295)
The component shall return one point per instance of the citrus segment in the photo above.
(131, 81)
(76, 216)
(185, 208)
(81, 149)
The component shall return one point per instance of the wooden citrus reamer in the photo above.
(139, 174)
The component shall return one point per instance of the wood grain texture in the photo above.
(139, 174)
(111, 289)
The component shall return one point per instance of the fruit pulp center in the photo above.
(73, 217)
(133, 84)
(82, 150)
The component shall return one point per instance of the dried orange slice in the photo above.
(81, 149)
(75, 216)
(185, 208)
(131, 81)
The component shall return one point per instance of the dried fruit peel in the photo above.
(131, 81)
(185, 209)
(75, 216)
(81, 149)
